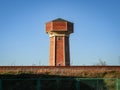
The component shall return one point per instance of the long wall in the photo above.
(62, 70)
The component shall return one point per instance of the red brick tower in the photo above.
(59, 31)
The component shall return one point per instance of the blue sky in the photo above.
(96, 36)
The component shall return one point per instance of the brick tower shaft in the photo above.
(59, 51)
(59, 31)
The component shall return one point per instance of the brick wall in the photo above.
(52, 56)
(59, 51)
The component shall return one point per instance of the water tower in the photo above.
(59, 31)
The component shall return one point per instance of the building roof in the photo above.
(61, 20)
(58, 19)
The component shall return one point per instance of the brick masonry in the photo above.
(59, 31)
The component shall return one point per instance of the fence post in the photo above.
(97, 84)
(77, 84)
(0, 84)
(57, 81)
(38, 84)
(117, 84)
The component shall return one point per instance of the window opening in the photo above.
(59, 38)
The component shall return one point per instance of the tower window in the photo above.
(59, 38)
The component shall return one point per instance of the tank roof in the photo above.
(60, 20)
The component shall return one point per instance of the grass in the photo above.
(65, 72)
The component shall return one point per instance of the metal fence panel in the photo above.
(0, 84)
(110, 84)
(118, 84)
(38, 84)
(20, 84)
(61, 84)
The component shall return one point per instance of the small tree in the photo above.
(101, 63)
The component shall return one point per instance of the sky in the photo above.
(23, 40)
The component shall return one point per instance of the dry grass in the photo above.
(68, 72)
